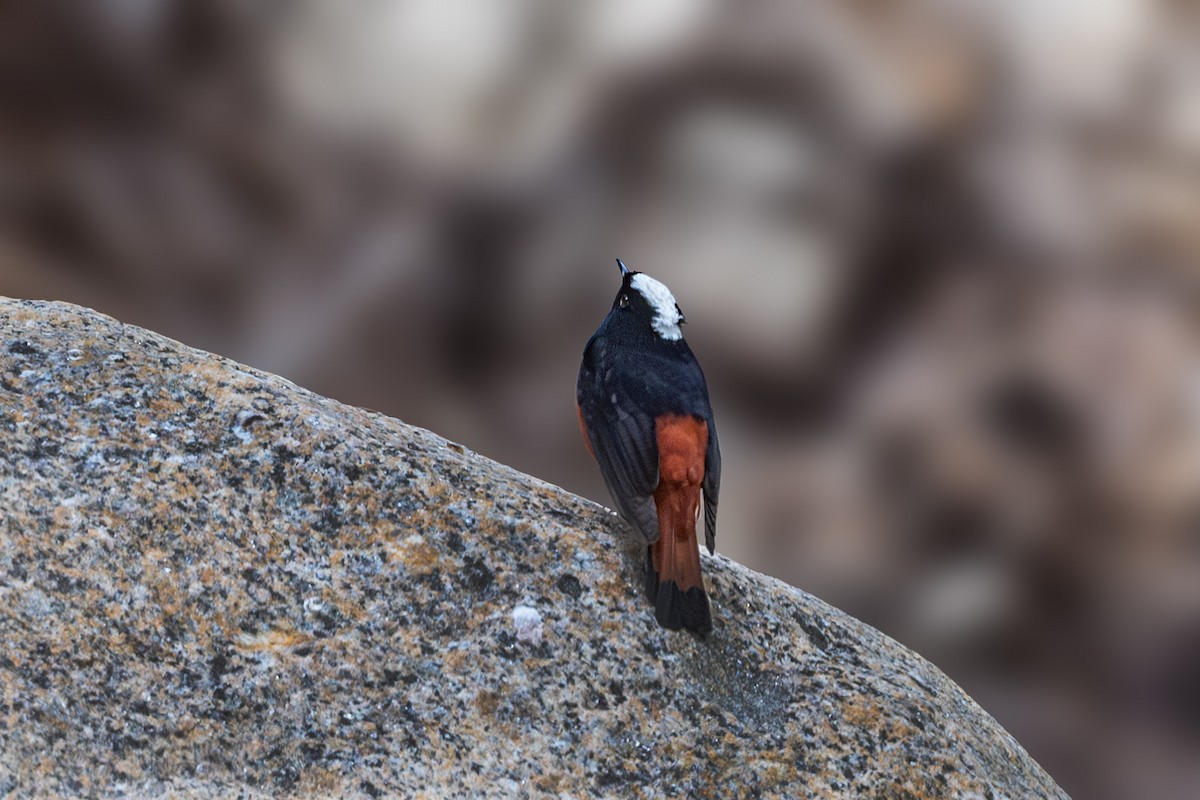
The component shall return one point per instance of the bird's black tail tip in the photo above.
(677, 608)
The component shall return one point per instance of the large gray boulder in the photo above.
(214, 583)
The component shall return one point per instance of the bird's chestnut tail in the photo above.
(673, 580)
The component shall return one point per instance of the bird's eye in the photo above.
(623, 301)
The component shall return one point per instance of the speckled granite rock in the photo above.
(214, 583)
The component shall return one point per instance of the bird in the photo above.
(646, 419)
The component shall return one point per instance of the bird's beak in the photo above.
(624, 269)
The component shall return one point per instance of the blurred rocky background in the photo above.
(941, 260)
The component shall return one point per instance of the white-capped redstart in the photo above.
(646, 419)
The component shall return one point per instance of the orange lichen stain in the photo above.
(861, 713)
(549, 782)
(865, 714)
(453, 661)
(613, 626)
(99, 533)
(773, 773)
(348, 608)
(10, 719)
(487, 702)
(653, 711)
(318, 781)
(64, 516)
(914, 781)
(270, 640)
(130, 767)
(118, 643)
(409, 648)
(154, 554)
(191, 731)
(165, 589)
(273, 545)
(417, 554)
(611, 585)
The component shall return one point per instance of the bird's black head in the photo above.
(644, 306)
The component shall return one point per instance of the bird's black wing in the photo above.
(623, 438)
(712, 485)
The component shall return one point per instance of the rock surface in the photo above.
(214, 583)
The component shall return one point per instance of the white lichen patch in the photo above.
(666, 310)
(270, 641)
(528, 622)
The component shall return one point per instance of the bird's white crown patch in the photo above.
(666, 310)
